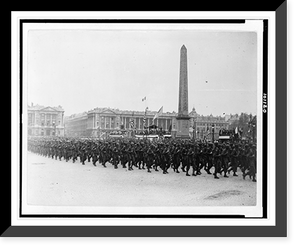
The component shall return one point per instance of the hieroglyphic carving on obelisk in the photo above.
(183, 112)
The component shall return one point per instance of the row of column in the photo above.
(106, 122)
(37, 119)
(138, 121)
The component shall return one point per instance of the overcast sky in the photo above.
(84, 69)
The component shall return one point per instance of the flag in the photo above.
(159, 113)
(207, 129)
(144, 118)
(144, 99)
(170, 127)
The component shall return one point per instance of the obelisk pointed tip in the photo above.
(183, 47)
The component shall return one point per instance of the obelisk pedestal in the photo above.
(183, 110)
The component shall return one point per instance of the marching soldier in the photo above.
(189, 159)
(94, 155)
(209, 158)
(234, 159)
(196, 161)
(251, 163)
(176, 158)
(130, 157)
(224, 160)
(83, 154)
(152, 154)
(252, 160)
(149, 159)
(217, 160)
(115, 157)
(183, 157)
(165, 160)
(104, 154)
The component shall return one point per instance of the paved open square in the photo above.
(52, 182)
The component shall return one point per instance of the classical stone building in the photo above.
(99, 121)
(76, 125)
(203, 126)
(45, 121)
(104, 120)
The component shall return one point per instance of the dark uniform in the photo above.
(152, 154)
(225, 160)
(209, 158)
(234, 159)
(149, 158)
(217, 161)
(196, 160)
(251, 164)
(176, 158)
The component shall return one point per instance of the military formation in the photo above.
(188, 156)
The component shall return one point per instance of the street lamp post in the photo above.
(54, 128)
(253, 132)
(194, 128)
(213, 132)
(102, 127)
(252, 126)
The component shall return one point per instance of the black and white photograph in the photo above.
(142, 118)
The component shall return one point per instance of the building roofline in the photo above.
(40, 107)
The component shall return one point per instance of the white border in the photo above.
(15, 136)
(252, 26)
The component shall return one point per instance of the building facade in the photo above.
(45, 121)
(206, 127)
(100, 121)
(97, 121)
(76, 125)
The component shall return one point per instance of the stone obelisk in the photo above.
(183, 110)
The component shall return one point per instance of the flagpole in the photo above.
(144, 118)
(145, 114)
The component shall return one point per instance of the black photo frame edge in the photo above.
(281, 228)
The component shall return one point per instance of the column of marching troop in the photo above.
(151, 155)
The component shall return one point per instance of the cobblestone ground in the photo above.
(52, 182)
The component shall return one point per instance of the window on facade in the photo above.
(29, 119)
(54, 119)
(48, 120)
(42, 119)
(102, 122)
